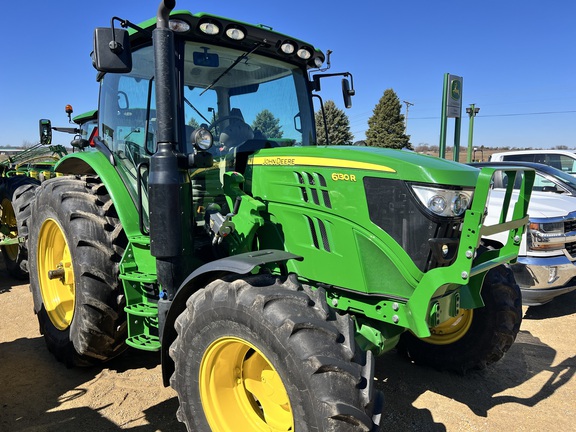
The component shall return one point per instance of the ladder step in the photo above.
(139, 277)
(144, 342)
(142, 309)
(140, 240)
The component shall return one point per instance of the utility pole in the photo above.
(472, 111)
(408, 105)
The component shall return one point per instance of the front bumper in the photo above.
(543, 279)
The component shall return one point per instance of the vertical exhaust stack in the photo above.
(169, 187)
(163, 40)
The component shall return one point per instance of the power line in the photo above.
(359, 129)
(506, 115)
(527, 114)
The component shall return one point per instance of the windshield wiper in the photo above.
(233, 65)
(196, 109)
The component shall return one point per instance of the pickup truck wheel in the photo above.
(260, 354)
(476, 337)
(16, 195)
(76, 245)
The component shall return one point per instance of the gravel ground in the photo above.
(531, 389)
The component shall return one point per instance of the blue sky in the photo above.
(516, 58)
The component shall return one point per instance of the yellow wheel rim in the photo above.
(241, 391)
(55, 274)
(451, 330)
(9, 219)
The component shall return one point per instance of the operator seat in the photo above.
(241, 142)
(236, 132)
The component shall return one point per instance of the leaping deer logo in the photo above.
(455, 89)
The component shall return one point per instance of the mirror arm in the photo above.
(124, 23)
(316, 79)
(115, 47)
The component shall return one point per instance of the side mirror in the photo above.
(112, 51)
(347, 93)
(45, 131)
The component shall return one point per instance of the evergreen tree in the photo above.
(386, 127)
(269, 125)
(192, 122)
(337, 123)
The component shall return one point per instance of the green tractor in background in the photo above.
(268, 271)
(20, 175)
(16, 194)
(37, 161)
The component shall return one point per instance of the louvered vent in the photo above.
(318, 233)
(314, 188)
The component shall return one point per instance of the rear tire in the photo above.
(260, 354)
(477, 337)
(75, 232)
(16, 195)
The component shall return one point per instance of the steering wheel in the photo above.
(221, 119)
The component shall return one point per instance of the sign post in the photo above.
(451, 108)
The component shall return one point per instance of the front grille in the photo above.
(393, 208)
(570, 226)
(571, 249)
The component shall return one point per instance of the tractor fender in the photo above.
(96, 163)
(240, 264)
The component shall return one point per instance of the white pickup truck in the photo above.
(546, 266)
(564, 160)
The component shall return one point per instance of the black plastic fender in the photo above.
(240, 264)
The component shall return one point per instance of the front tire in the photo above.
(476, 337)
(260, 354)
(76, 243)
(16, 195)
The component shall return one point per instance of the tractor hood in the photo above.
(402, 164)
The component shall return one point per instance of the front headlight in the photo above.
(443, 202)
(546, 236)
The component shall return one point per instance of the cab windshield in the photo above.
(241, 96)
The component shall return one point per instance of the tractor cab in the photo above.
(245, 89)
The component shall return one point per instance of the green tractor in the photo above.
(16, 195)
(20, 176)
(268, 271)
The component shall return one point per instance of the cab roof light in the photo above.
(304, 53)
(235, 32)
(210, 28)
(288, 47)
(179, 26)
